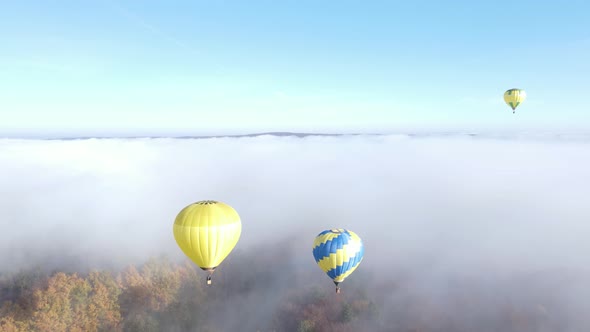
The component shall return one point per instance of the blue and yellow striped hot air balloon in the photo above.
(338, 252)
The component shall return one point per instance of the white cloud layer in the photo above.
(499, 223)
(455, 203)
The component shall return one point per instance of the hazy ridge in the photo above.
(533, 135)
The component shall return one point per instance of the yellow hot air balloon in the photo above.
(514, 97)
(207, 231)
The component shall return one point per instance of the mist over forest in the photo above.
(460, 233)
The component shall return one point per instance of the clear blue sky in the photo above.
(244, 66)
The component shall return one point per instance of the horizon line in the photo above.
(417, 133)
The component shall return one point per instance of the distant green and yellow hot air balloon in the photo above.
(514, 97)
(207, 231)
(338, 252)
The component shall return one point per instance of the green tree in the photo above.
(141, 322)
(346, 313)
(306, 326)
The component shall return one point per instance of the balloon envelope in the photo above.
(207, 231)
(514, 97)
(338, 252)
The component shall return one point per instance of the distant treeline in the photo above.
(271, 294)
(158, 296)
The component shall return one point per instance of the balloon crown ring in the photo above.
(206, 202)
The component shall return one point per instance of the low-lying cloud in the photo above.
(432, 210)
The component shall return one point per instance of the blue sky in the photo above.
(153, 67)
